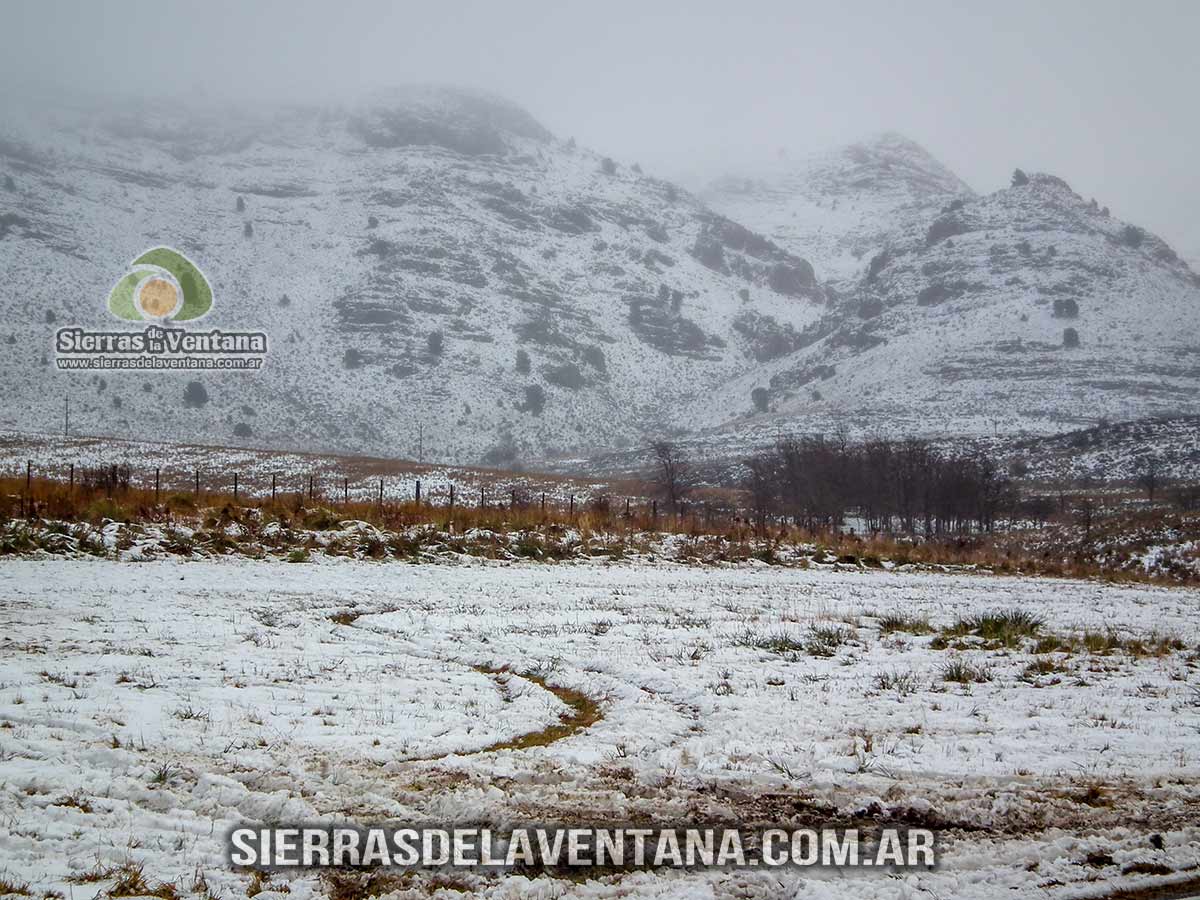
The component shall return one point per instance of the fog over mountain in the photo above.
(558, 232)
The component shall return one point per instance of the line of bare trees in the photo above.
(819, 483)
(907, 485)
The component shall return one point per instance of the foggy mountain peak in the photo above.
(462, 119)
(841, 205)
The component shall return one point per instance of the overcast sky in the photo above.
(1104, 94)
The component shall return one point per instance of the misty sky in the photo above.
(1103, 94)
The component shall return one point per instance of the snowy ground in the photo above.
(144, 708)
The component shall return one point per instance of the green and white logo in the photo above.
(162, 285)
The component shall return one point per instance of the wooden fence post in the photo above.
(72, 478)
(345, 491)
(310, 486)
(157, 483)
(543, 501)
(197, 491)
(452, 496)
(29, 487)
(627, 507)
(481, 500)
(572, 504)
(273, 477)
(512, 498)
(418, 493)
(235, 487)
(381, 493)
(654, 512)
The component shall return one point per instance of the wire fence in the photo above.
(49, 489)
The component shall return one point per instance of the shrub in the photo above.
(1132, 236)
(194, 395)
(241, 204)
(608, 167)
(1066, 308)
(535, 399)
(242, 430)
(567, 375)
(9, 184)
(435, 342)
(352, 358)
(760, 398)
(372, 222)
(594, 357)
(248, 230)
(1070, 338)
(522, 362)
(1019, 178)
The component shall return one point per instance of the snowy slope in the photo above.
(842, 206)
(960, 325)
(425, 210)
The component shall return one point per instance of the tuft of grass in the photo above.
(824, 640)
(299, 555)
(190, 713)
(960, 671)
(903, 683)
(781, 642)
(131, 882)
(164, 773)
(77, 800)
(1006, 628)
(1042, 666)
(19, 888)
(890, 623)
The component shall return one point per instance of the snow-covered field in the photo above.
(144, 708)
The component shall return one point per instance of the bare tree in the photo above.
(1085, 516)
(1147, 476)
(672, 473)
(760, 486)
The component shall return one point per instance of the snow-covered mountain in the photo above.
(577, 300)
(435, 269)
(1030, 309)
